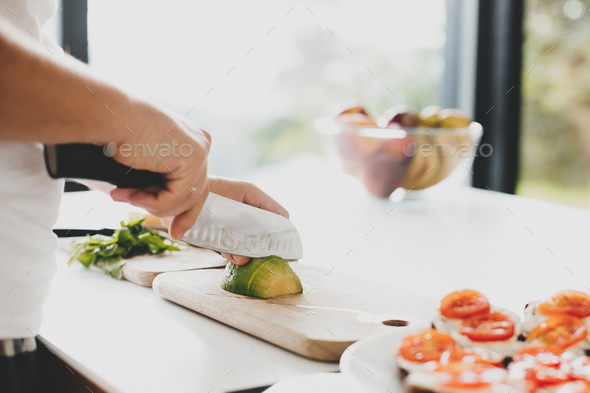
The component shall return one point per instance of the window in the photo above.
(555, 145)
(53, 27)
(256, 74)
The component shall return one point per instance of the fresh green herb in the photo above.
(109, 252)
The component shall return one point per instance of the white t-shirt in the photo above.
(29, 203)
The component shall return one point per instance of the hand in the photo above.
(178, 150)
(245, 193)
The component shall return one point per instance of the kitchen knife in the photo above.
(71, 232)
(223, 225)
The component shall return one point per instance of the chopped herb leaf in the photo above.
(109, 252)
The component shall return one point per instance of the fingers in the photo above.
(122, 194)
(178, 202)
(125, 194)
(176, 198)
(236, 259)
(246, 193)
(167, 221)
(177, 224)
(273, 206)
(184, 221)
(160, 202)
(258, 198)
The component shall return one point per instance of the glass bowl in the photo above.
(414, 159)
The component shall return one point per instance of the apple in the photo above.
(399, 116)
(382, 175)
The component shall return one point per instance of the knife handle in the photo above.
(93, 162)
(65, 232)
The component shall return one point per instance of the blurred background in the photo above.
(555, 146)
(255, 74)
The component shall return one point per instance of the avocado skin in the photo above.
(237, 278)
(257, 277)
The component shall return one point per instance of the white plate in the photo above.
(369, 362)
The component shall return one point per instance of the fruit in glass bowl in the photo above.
(382, 175)
(353, 147)
(402, 148)
(398, 117)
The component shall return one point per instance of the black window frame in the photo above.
(498, 92)
(74, 24)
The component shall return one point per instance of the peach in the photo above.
(382, 175)
(356, 119)
(358, 145)
(397, 148)
(349, 107)
(429, 116)
(453, 118)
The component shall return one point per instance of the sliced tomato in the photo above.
(559, 331)
(463, 304)
(472, 355)
(468, 375)
(493, 326)
(542, 375)
(545, 355)
(575, 387)
(574, 303)
(581, 367)
(541, 366)
(426, 346)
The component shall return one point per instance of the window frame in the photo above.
(74, 23)
(498, 92)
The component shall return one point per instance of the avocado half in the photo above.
(261, 277)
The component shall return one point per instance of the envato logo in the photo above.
(463, 150)
(164, 150)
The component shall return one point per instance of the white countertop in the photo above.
(125, 338)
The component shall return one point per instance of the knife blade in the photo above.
(223, 225)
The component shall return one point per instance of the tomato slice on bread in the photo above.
(472, 355)
(426, 346)
(575, 387)
(559, 331)
(493, 326)
(542, 375)
(546, 355)
(574, 303)
(467, 375)
(541, 366)
(463, 304)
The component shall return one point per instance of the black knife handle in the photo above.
(93, 162)
(64, 232)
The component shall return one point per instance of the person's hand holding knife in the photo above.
(187, 184)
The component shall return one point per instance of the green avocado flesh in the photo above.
(261, 277)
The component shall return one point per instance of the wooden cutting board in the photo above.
(142, 269)
(334, 311)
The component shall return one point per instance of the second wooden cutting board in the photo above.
(142, 269)
(334, 311)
